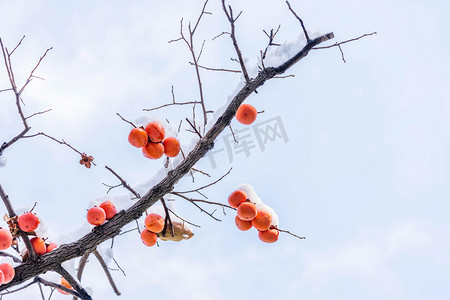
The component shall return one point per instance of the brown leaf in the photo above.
(180, 233)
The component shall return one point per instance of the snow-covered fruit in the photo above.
(246, 114)
(28, 222)
(5, 239)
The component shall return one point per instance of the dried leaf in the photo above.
(180, 233)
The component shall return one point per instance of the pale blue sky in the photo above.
(364, 175)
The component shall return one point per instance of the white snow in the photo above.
(2, 161)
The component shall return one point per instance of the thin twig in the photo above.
(123, 119)
(73, 282)
(124, 183)
(198, 206)
(39, 113)
(20, 42)
(15, 259)
(300, 20)
(171, 104)
(208, 185)
(193, 127)
(182, 219)
(38, 279)
(108, 274)
(285, 231)
(167, 220)
(32, 72)
(232, 20)
(214, 69)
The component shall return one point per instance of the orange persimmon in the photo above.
(66, 284)
(246, 114)
(51, 247)
(8, 272)
(138, 137)
(269, 236)
(148, 238)
(96, 215)
(28, 222)
(39, 245)
(109, 208)
(262, 220)
(155, 131)
(154, 223)
(236, 198)
(5, 239)
(246, 211)
(171, 147)
(153, 150)
(242, 225)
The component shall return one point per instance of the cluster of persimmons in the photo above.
(152, 139)
(248, 216)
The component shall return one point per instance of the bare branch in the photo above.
(73, 282)
(193, 127)
(344, 42)
(123, 119)
(171, 104)
(38, 113)
(285, 231)
(214, 69)
(208, 185)
(124, 183)
(232, 20)
(198, 206)
(300, 20)
(32, 71)
(15, 259)
(184, 220)
(108, 274)
(167, 220)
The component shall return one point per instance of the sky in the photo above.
(361, 168)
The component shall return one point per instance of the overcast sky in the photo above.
(361, 170)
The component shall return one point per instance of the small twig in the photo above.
(123, 119)
(219, 35)
(4, 90)
(184, 220)
(42, 292)
(32, 71)
(171, 104)
(201, 50)
(108, 274)
(38, 279)
(124, 183)
(215, 69)
(200, 171)
(285, 76)
(271, 37)
(167, 220)
(208, 185)
(193, 127)
(344, 42)
(81, 265)
(110, 187)
(285, 231)
(232, 133)
(232, 20)
(15, 259)
(173, 95)
(198, 206)
(20, 42)
(300, 20)
(117, 264)
(39, 113)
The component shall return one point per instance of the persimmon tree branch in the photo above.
(73, 282)
(113, 227)
(106, 270)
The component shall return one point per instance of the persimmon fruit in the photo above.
(66, 284)
(153, 150)
(269, 236)
(109, 208)
(242, 225)
(148, 238)
(2, 277)
(155, 131)
(5, 239)
(246, 211)
(8, 272)
(154, 223)
(262, 220)
(50, 247)
(171, 147)
(28, 222)
(236, 198)
(138, 137)
(246, 114)
(39, 245)
(96, 215)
